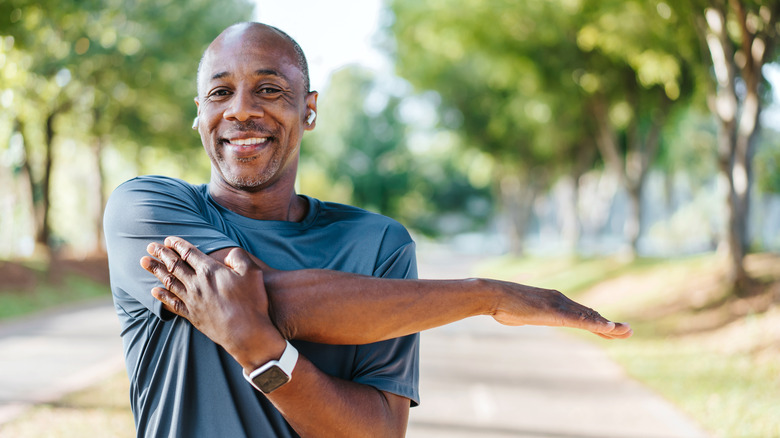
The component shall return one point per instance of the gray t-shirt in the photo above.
(184, 385)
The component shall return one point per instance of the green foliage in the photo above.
(360, 154)
(483, 59)
(128, 67)
(767, 161)
(113, 83)
(525, 76)
(690, 135)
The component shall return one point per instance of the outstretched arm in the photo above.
(249, 309)
(342, 308)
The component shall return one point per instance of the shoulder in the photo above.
(151, 190)
(153, 197)
(363, 221)
(155, 185)
(381, 242)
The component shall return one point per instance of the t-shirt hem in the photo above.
(393, 387)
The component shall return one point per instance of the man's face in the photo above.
(252, 108)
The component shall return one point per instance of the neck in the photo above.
(278, 202)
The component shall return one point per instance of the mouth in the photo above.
(245, 147)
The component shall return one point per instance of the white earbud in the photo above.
(195, 123)
(311, 117)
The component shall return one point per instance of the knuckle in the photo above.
(159, 271)
(175, 265)
(185, 251)
(168, 281)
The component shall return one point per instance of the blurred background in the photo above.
(626, 152)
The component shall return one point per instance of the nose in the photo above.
(243, 106)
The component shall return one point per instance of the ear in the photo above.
(197, 106)
(311, 107)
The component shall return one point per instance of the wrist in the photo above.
(274, 373)
(258, 348)
(493, 296)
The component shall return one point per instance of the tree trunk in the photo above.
(99, 198)
(36, 193)
(737, 126)
(43, 237)
(27, 175)
(633, 166)
(572, 230)
(517, 196)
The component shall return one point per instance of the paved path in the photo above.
(478, 379)
(50, 354)
(481, 379)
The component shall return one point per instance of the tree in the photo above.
(359, 154)
(119, 67)
(484, 60)
(741, 36)
(539, 85)
(638, 75)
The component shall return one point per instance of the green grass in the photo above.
(730, 395)
(570, 275)
(73, 288)
(102, 410)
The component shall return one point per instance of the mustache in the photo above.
(250, 125)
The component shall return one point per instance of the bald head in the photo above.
(256, 33)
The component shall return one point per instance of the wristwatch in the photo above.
(275, 373)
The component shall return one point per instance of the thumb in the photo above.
(239, 261)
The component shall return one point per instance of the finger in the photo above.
(596, 323)
(172, 302)
(622, 331)
(173, 262)
(159, 270)
(189, 253)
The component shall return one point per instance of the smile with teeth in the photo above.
(247, 141)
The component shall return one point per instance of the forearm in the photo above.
(342, 308)
(316, 404)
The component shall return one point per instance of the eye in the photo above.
(219, 92)
(269, 90)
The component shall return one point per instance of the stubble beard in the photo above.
(247, 182)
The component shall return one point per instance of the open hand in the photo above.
(526, 305)
(225, 300)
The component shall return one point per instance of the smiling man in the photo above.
(272, 313)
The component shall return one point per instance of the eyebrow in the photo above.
(260, 72)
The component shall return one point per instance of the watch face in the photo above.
(271, 379)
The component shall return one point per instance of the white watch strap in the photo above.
(289, 359)
(287, 363)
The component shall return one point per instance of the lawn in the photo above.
(101, 411)
(31, 286)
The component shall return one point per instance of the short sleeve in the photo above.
(393, 365)
(149, 209)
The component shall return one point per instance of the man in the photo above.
(256, 265)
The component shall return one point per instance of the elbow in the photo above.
(281, 318)
(282, 321)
